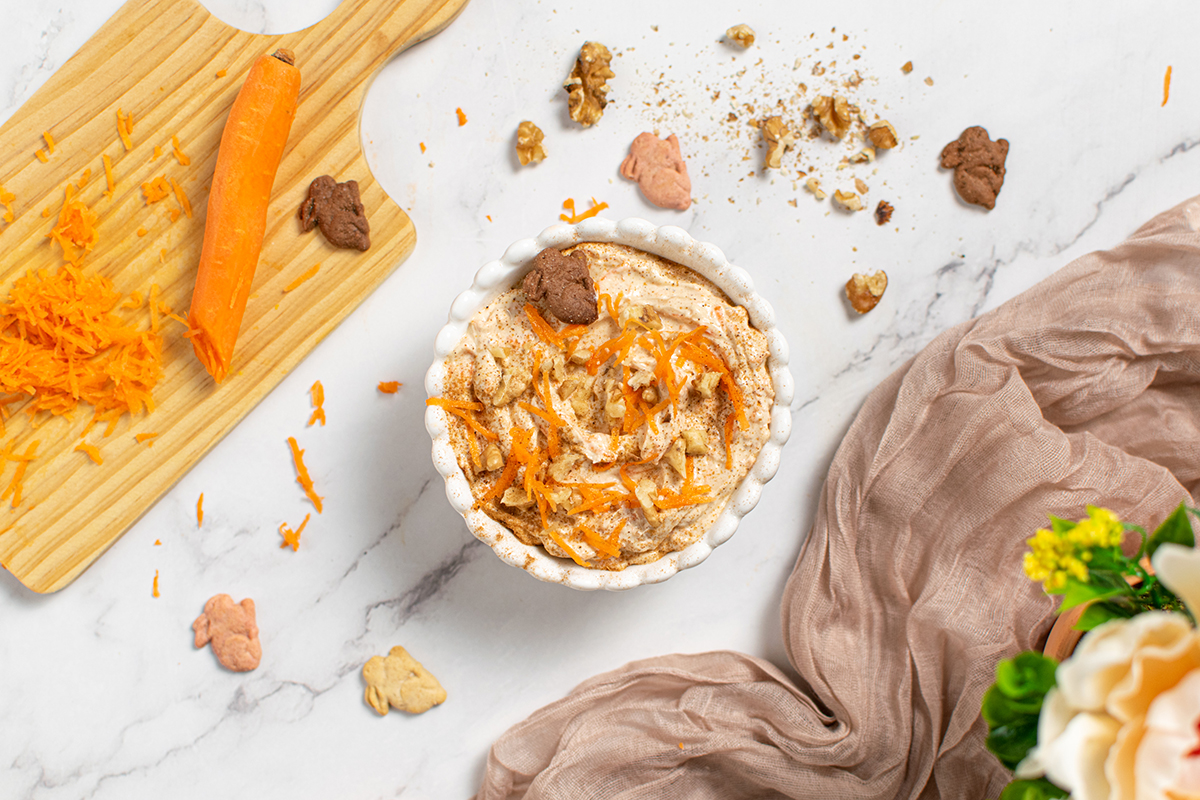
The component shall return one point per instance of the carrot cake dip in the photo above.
(608, 407)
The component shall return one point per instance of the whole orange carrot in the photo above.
(251, 148)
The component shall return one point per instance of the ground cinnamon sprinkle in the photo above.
(302, 476)
(390, 387)
(318, 400)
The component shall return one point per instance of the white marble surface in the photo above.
(101, 692)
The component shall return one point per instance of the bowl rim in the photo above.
(496, 277)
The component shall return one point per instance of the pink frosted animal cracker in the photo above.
(660, 171)
(231, 629)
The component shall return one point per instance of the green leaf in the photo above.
(1176, 529)
(997, 709)
(1099, 613)
(1027, 675)
(1099, 586)
(1011, 743)
(1040, 789)
(1059, 525)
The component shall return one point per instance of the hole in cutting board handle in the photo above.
(271, 17)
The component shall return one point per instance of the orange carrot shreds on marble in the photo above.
(389, 387)
(308, 273)
(91, 451)
(302, 476)
(200, 511)
(17, 484)
(462, 117)
(291, 538)
(125, 129)
(156, 189)
(1166, 86)
(49, 142)
(154, 588)
(318, 400)
(569, 205)
(108, 176)
(179, 154)
(62, 342)
(145, 437)
(181, 198)
(75, 231)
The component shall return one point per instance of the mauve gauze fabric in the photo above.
(909, 588)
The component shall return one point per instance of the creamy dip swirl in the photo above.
(615, 443)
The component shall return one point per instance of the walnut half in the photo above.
(864, 291)
(587, 85)
(741, 34)
(833, 113)
(530, 149)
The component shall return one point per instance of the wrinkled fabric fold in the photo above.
(909, 587)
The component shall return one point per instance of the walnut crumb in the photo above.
(907, 68)
(742, 35)
(883, 212)
(865, 156)
(848, 200)
(882, 135)
(864, 291)
(814, 186)
(929, 81)
(529, 144)
(587, 85)
(778, 139)
(862, 187)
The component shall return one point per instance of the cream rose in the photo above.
(1122, 724)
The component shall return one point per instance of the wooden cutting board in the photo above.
(177, 68)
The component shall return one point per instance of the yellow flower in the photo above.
(1055, 557)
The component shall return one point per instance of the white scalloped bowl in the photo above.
(497, 277)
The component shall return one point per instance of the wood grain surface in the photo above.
(177, 69)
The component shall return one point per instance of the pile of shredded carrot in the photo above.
(62, 343)
(572, 217)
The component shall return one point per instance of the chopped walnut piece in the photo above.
(650, 395)
(614, 408)
(778, 138)
(645, 493)
(864, 156)
(493, 459)
(883, 135)
(883, 212)
(833, 113)
(864, 291)
(515, 379)
(561, 466)
(848, 200)
(516, 498)
(814, 186)
(587, 85)
(695, 442)
(675, 457)
(530, 149)
(706, 384)
(862, 187)
(741, 34)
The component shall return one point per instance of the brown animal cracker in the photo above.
(565, 285)
(232, 631)
(978, 165)
(398, 680)
(660, 171)
(339, 212)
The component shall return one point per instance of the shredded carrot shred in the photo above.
(302, 476)
(222, 73)
(145, 437)
(179, 154)
(84, 178)
(1166, 88)
(162, 256)
(200, 511)
(291, 538)
(391, 387)
(91, 450)
(108, 176)
(310, 272)
(154, 589)
(76, 229)
(569, 205)
(422, 146)
(49, 142)
(182, 198)
(62, 343)
(158, 542)
(541, 327)
(16, 485)
(601, 546)
(6, 197)
(157, 153)
(142, 232)
(558, 540)
(318, 400)
(462, 118)
(41, 156)
(125, 129)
